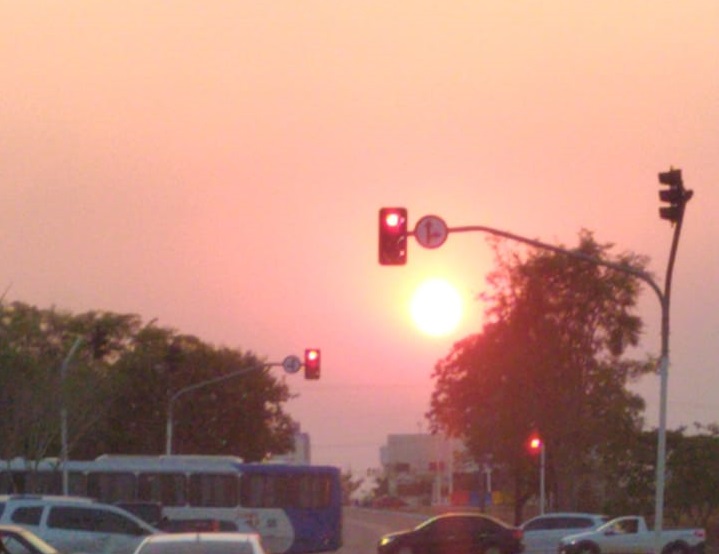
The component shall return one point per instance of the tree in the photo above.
(118, 384)
(549, 359)
(350, 485)
(693, 469)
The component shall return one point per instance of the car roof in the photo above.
(211, 536)
(567, 514)
(46, 498)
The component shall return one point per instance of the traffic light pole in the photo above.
(431, 232)
(201, 384)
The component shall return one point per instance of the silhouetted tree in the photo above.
(548, 359)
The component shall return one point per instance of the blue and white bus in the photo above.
(295, 508)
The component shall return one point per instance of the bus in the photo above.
(296, 509)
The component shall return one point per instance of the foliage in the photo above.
(550, 360)
(118, 386)
(350, 485)
(693, 482)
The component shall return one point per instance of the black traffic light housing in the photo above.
(312, 363)
(675, 196)
(392, 236)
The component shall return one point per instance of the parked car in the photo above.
(202, 543)
(456, 533)
(75, 524)
(542, 533)
(17, 540)
(631, 534)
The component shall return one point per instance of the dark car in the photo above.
(455, 533)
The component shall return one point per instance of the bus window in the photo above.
(314, 491)
(213, 490)
(77, 483)
(169, 489)
(111, 487)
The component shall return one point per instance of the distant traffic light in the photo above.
(675, 196)
(392, 236)
(534, 444)
(312, 363)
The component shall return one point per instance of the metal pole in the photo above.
(63, 415)
(169, 425)
(541, 479)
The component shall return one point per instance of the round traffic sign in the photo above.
(431, 231)
(291, 364)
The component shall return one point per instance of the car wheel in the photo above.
(676, 548)
(587, 548)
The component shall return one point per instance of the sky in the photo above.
(219, 166)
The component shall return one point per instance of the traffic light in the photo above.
(392, 236)
(312, 363)
(675, 196)
(534, 444)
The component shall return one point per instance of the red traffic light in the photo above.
(392, 236)
(534, 444)
(312, 363)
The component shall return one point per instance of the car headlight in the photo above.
(385, 541)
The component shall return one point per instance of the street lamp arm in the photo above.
(624, 268)
(202, 384)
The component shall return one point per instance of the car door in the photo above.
(121, 534)
(451, 535)
(73, 529)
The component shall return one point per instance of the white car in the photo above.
(75, 524)
(543, 533)
(202, 543)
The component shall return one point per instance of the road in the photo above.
(363, 528)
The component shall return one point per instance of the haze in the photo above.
(219, 166)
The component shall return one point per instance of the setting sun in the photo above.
(436, 307)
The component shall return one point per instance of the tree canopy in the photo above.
(118, 385)
(550, 359)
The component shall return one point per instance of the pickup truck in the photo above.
(630, 535)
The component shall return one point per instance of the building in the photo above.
(420, 468)
(301, 453)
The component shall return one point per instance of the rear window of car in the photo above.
(27, 515)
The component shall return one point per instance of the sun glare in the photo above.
(436, 307)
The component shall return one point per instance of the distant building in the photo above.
(421, 467)
(301, 454)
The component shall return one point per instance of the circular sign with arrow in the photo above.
(291, 364)
(431, 231)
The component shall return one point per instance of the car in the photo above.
(543, 532)
(17, 540)
(455, 532)
(198, 525)
(389, 502)
(76, 524)
(202, 543)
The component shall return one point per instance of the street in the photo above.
(363, 527)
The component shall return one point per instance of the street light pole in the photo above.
(174, 397)
(541, 479)
(63, 415)
(431, 232)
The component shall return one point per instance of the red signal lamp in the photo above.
(312, 363)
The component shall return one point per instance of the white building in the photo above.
(419, 466)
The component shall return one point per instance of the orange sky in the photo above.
(219, 165)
